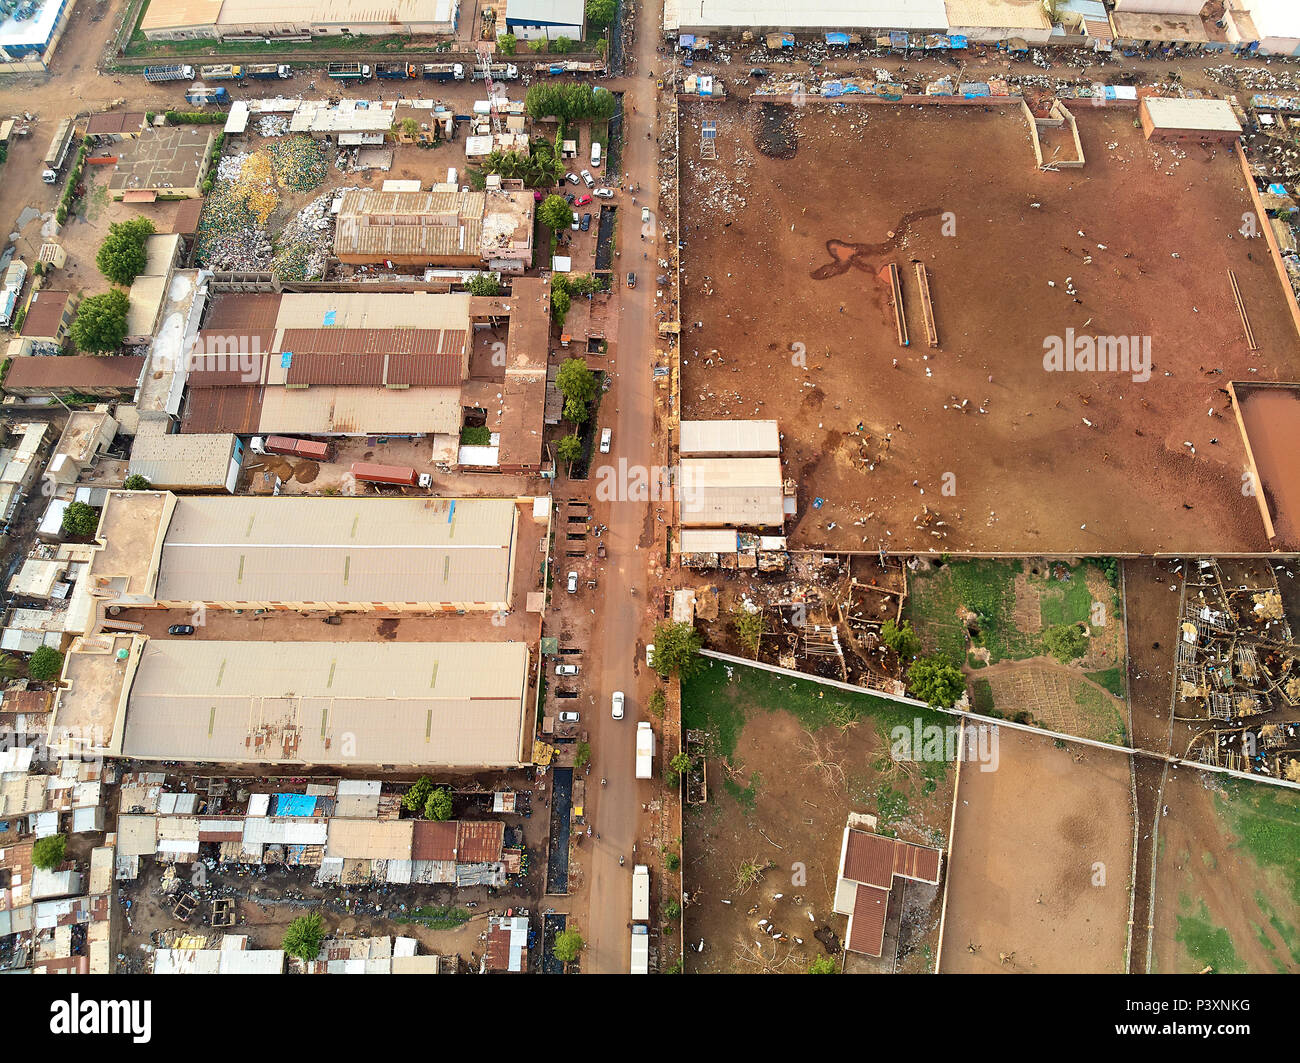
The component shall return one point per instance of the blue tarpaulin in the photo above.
(837, 38)
(686, 40)
(292, 805)
(897, 39)
(958, 40)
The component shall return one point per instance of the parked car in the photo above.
(569, 197)
(650, 655)
(606, 437)
(572, 178)
(572, 584)
(566, 669)
(576, 222)
(582, 200)
(586, 223)
(587, 179)
(616, 708)
(758, 72)
(645, 214)
(631, 280)
(569, 717)
(604, 193)
(180, 629)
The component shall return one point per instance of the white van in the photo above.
(595, 154)
(606, 437)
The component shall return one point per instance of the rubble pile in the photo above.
(303, 249)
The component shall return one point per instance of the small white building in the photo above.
(534, 20)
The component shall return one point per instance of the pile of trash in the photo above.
(303, 249)
(300, 163)
(272, 125)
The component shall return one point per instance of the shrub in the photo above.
(80, 520)
(45, 664)
(303, 936)
(48, 852)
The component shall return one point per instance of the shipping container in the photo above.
(369, 472)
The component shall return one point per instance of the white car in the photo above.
(617, 708)
(650, 655)
(566, 669)
(606, 438)
(645, 214)
(572, 178)
(576, 223)
(573, 583)
(603, 193)
(568, 717)
(587, 179)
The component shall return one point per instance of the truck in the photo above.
(267, 71)
(348, 71)
(442, 72)
(506, 72)
(156, 75)
(640, 894)
(297, 448)
(201, 94)
(58, 153)
(395, 71)
(645, 750)
(640, 949)
(401, 475)
(222, 72)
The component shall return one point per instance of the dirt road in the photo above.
(627, 618)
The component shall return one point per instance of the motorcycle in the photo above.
(620, 861)
(602, 782)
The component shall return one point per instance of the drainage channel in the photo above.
(557, 864)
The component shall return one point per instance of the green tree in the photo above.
(601, 12)
(508, 43)
(438, 806)
(1065, 642)
(46, 663)
(409, 127)
(576, 381)
(136, 482)
(559, 306)
(303, 936)
(658, 702)
(748, 625)
(484, 284)
(121, 256)
(680, 763)
(677, 648)
(672, 861)
(569, 449)
(822, 965)
(575, 412)
(100, 325)
(10, 666)
(901, 639)
(538, 46)
(80, 520)
(555, 212)
(48, 852)
(936, 680)
(568, 943)
(672, 909)
(562, 44)
(417, 796)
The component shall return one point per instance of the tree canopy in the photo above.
(80, 520)
(136, 482)
(601, 12)
(303, 936)
(46, 663)
(576, 381)
(569, 449)
(555, 213)
(121, 256)
(936, 680)
(677, 648)
(568, 943)
(901, 639)
(100, 325)
(48, 852)
(438, 806)
(484, 284)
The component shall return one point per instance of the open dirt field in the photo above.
(782, 274)
(791, 760)
(1227, 877)
(1033, 839)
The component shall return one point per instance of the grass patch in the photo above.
(1285, 931)
(1111, 678)
(1206, 944)
(141, 46)
(1266, 822)
(744, 796)
(440, 917)
(717, 698)
(985, 587)
(982, 697)
(1107, 723)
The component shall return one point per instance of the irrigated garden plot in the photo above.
(788, 312)
(1041, 641)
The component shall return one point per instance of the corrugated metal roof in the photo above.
(409, 704)
(866, 931)
(732, 492)
(369, 550)
(223, 409)
(434, 840)
(479, 842)
(730, 439)
(242, 312)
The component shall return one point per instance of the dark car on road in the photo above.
(180, 629)
(586, 222)
(631, 280)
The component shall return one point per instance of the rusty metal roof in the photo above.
(434, 840)
(242, 312)
(223, 409)
(875, 860)
(480, 842)
(867, 924)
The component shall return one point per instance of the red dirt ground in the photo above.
(1020, 872)
(1030, 476)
